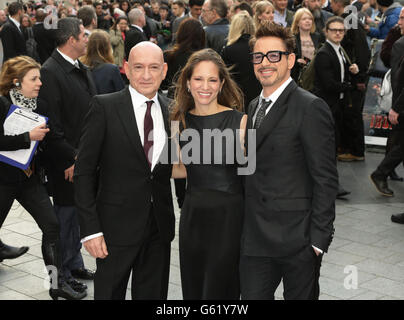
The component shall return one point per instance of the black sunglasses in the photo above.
(272, 56)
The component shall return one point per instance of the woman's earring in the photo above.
(188, 89)
(17, 84)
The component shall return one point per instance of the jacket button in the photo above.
(151, 177)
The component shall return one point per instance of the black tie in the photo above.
(342, 55)
(261, 113)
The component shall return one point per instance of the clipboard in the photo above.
(23, 157)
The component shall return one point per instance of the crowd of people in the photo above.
(113, 77)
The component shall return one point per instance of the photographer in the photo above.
(104, 19)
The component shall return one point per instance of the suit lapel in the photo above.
(128, 119)
(251, 111)
(274, 115)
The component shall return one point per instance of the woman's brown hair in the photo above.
(230, 95)
(99, 49)
(15, 68)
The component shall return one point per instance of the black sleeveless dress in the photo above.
(212, 214)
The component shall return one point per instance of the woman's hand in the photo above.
(38, 133)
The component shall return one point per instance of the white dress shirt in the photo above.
(159, 132)
(68, 59)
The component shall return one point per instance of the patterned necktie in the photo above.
(261, 113)
(148, 133)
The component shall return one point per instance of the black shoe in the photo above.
(83, 274)
(395, 177)
(398, 218)
(64, 290)
(381, 185)
(342, 192)
(76, 285)
(9, 252)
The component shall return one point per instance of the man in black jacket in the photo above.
(67, 88)
(11, 35)
(45, 38)
(122, 186)
(290, 198)
(214, 14)
(356, 46)
(135, 34)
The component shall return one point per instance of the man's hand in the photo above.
(361, 86)
(96, 247)
(69, 173)
(393, 117)
(353, 68)
(316, 252)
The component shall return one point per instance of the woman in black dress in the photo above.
(210, 226)
(19, 85)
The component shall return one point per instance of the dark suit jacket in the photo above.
(327, 81)
(13, 41)
(120, 204)
(133, 37)
(45, 39)
(290, 199)
(107, 78)
(356, 46)
(216, 34)
(64, 98)
(238, 56)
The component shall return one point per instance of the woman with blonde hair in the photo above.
(207, 100)
(307, 40)
(19, 85)
(235, 52)
(100, 60)
(264, 10)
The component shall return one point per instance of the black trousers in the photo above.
(149, 263)
(352, 128)
(70, 242)
(260, 276)
(180, 186)
(337, 113)
(31, 194)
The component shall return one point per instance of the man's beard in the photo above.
(317, 13)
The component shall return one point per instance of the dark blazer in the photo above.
(13, 41)
(356, 46)
(290, 198)
(238, 55)
(45, 39)
(64, 98)
(8, 173)
(216, 34)
(107, 78)
(327, 81)
(119, 204)
(316, 38)
(133, 37)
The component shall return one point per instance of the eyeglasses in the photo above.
(272, 56)
(337, 30)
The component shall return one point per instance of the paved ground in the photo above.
(365, 241)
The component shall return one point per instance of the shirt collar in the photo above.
(67, 58)
(335, 46)
(276, 94)
(15, 22)
(139, 99)
(136, 26)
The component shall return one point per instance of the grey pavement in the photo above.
(365, 260)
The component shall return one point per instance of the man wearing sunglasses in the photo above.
(289, 199)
